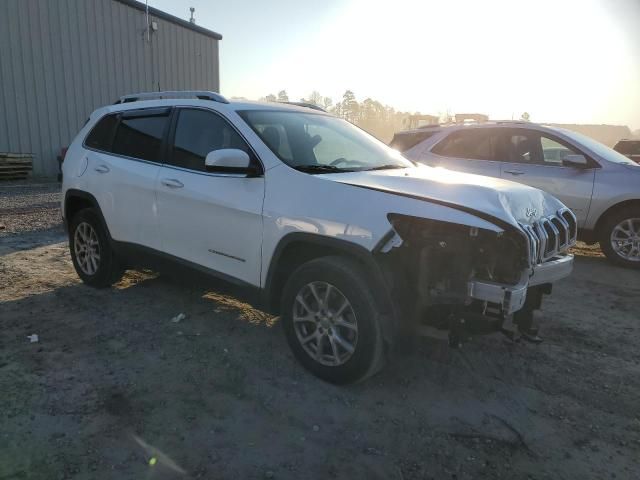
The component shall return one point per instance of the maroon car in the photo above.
(629, 148)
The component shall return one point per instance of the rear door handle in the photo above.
(514, 172)
(172, 183)
(102, 169)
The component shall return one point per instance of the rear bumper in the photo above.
(512, 297)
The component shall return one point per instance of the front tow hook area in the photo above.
(459, 324)
(463, 326)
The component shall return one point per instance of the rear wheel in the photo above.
(331, 320)
(94, 260)
(620, 237)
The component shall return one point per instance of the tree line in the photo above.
(378, 119)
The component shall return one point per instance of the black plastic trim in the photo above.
(72, 192)
(389, 311)
(146, 112)
(248, 171)
(140, 255)
(344, 246)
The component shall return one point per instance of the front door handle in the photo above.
(102, 169)
(172, 183)
(514, 172)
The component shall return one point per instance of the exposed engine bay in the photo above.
(431, 265)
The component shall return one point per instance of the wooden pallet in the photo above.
(15, 166)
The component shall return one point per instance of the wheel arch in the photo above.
(610, 211)
(297, 248)
(76, 200)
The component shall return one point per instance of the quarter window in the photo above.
(199, 132)
(101, 136)
(140, 137)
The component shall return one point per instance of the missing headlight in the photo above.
(438, 259)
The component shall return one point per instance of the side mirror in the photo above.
(229, 160)
(575, 161)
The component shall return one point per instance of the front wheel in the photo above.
(331, 320)
(620, 237)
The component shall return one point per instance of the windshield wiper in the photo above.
(386, 167)
(315, 168)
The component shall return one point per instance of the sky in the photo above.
(563, 61)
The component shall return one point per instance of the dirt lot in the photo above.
(113, 383)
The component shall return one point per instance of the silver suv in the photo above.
(600, 185)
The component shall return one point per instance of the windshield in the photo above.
(321, 143)
(602, 150)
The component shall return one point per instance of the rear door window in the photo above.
(523, 146)
(139, 134)
(472, 144)
(101, 136)
(404, 141)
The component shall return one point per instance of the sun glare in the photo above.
(561, 61)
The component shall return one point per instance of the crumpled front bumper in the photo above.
(512, 297)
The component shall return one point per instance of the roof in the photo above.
(170, 18)
(488, 123)
(424, 116)
(231, 105)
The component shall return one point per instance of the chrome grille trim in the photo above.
(567, 232)
(551, 235)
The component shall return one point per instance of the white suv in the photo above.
(351, 243)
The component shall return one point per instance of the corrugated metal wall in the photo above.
(62, 59)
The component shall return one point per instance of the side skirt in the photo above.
(138, 256)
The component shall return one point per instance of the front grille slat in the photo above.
(570, 218)
(551, 235)
(563, 226)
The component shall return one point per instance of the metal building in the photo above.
(60, 60)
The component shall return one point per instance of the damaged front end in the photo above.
(464, 280)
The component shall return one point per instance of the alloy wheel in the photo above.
(325, 323)
(625, 239)
(86, 248)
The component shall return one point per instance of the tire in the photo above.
(106, 269)
(608, 230)
(344, 279)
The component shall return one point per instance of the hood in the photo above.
(508, 201)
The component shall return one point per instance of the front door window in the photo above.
(534, 148)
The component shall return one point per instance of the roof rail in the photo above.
(306, 105)
(516, 122)
(200, 94)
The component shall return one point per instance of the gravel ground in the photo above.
(114, 389)
(29, 206)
